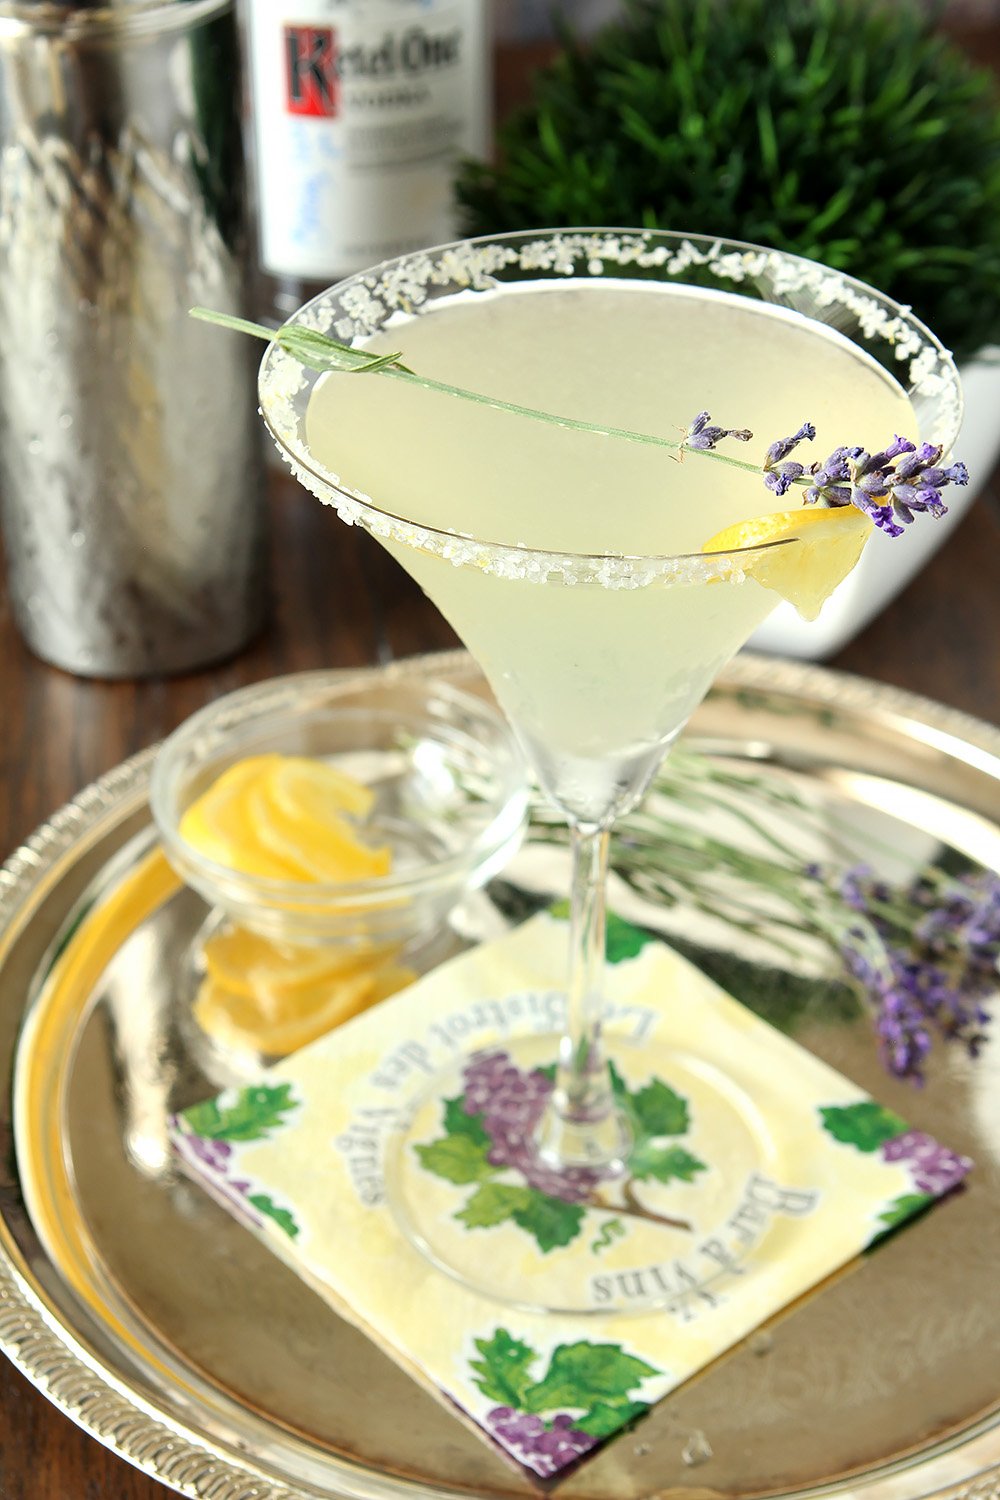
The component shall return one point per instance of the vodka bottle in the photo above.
(361, 110)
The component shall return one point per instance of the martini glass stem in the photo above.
(582, 1126)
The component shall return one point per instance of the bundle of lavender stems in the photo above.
(921, 954)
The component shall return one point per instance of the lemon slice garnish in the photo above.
(814, 551)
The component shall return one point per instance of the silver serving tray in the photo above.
(164, 1329)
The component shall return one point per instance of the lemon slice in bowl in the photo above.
(285, 818)
(305, 788)
(805, 553)
(324, 848)
(216, 824)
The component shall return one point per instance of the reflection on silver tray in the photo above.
(163, 1328)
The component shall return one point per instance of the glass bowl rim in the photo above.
(299, 458)
(510, 810)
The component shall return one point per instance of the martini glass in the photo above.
(570, 560)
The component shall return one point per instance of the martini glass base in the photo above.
(599, 1146)
(475, 1187)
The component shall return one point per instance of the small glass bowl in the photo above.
(451, 797)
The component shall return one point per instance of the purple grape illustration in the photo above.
(545, 1447)
(933, 1167)
(510, 1104)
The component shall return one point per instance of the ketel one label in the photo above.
(362, 109)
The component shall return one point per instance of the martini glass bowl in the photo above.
(598, 656)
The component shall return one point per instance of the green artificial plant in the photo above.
(847, 131)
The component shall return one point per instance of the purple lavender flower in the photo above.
(887, 491)
(962, 925)
(890, 486)
(934, 1168)
(701, 435)
(781, 447)
(511, 1104)
(956, 1015)
(924, 956)
(781, 478)
(832, 480)
(960, 932)
(918, 480)
(780, 472)
(912, 995)
(900, 1019)
(860, 888)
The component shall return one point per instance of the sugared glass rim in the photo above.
(398, 285)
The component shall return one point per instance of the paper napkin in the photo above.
(390, 1160)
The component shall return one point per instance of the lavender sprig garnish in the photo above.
(889, 487)
(886, 491)
(923, 956)
(703, 437)
(779, 475)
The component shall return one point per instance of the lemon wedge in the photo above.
(813, 551)
(274, 999)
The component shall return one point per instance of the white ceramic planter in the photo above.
(888, 564)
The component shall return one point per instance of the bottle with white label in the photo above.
(361, 112)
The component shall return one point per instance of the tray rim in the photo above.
(47, 1351)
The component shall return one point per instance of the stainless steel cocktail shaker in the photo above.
(130, 478)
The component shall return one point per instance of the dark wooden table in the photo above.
(340, 601)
